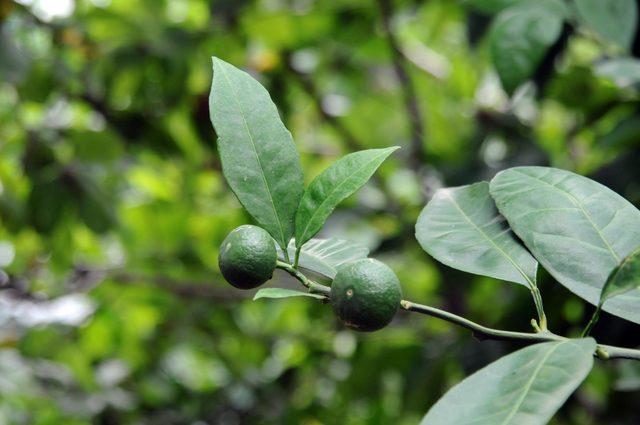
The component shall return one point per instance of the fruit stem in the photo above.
(313, 287)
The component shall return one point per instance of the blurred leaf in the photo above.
(614, 20)
(527, 386)
(624, 72)
(520, 37)
(462, 228)
(283, 293)
(94, 208)
(491, 6)
(323, 256)
(333, 185)
(259, 159)
(576, 228)
(625, 134)
(46, 204)
(623, 279)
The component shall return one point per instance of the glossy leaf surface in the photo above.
(259, 159)
(333, 185)
(576, 228)
(524, 388)
(462, 228)
(323, 256)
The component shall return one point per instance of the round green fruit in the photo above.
(365, 294)
(247, 257)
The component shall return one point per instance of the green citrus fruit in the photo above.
(247, 257)
(365, 294)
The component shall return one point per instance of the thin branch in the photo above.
(417, 156)
(604, 352)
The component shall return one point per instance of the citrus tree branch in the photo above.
(604, 352)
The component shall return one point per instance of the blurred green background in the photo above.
(112, 206)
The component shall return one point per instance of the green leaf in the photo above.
(624, 72)
(491, 6)
(624, 278)
(47, 203)
(520, 37)
(525, 387)
(323, 256)
(259, 159)
(333, 185)
(93, 206)
(461, 227)
(614, 20)
(576, 228)
(283, 293)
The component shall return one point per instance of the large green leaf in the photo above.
(259, 159)
(323, 256)
(576, 228)
(525, 387)
(624, 278)
(332, 186)
(461, 227)
(520, 37)
(614, 20)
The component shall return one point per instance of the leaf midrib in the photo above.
(319, 208)
(255, 152)
(504, 254)
(577, 203)
(529, 384)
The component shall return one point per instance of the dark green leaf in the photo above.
(323, 256)
(525, 387)
(283, 293)
(333, 185)
(624, 278)
(491, 6)
(520, 37)
(259, 159)
(462, 228)
(576, 228)
(46, 204)
(94, 208)
(614, 20)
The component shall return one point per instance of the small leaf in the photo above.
(283, 293)
(624, 72)
(614, 20)
(259, 159)
(333, 185)
(520, 37)
(525, 387)
(576, 228)
(624, 278)
(323, 256)
(461, 227)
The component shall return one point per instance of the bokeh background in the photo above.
(112, 206)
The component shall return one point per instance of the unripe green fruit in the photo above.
(247, 257)
(365, 294)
